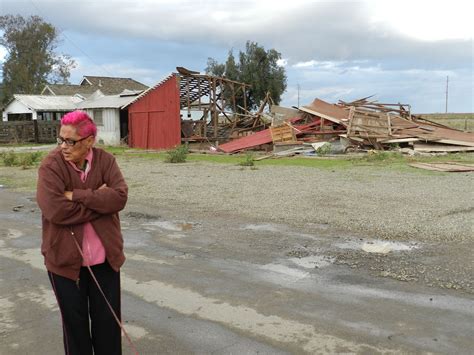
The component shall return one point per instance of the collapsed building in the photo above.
(359, 125)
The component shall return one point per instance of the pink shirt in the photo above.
(92, 248)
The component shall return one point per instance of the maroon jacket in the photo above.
(62, 217)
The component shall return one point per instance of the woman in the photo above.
(80, 192)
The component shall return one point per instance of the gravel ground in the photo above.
(382, 203)
(430, 210)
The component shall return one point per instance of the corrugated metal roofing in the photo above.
(49, 103)
(258, 138)
(114, 101)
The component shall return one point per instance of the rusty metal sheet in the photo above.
(250, 141)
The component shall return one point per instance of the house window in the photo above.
(98, 117)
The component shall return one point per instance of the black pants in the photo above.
(81, 301)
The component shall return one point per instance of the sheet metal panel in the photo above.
(253, 140)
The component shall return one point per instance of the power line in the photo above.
(447, 85)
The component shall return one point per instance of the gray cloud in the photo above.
(352, 55)
(326, 30)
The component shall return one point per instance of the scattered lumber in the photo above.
(447, 167)
(365, 124)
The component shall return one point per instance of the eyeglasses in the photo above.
(69, 142)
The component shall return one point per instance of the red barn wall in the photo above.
(154, 119)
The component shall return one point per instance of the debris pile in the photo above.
(379, 126)
(359, 125)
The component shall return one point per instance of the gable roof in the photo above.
(67, 90)
(107, 84)
(47, 102)
(144, 93)
(90, 84)
(107, 101)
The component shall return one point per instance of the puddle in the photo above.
(170, 226)
(176, 236)
(350, 244)
(24, 243)
(286, 271)
(139, 215)
(135, 238)
(314, 261)
(375, 246)
(138, 257)
(262, 227)
(42, 296)
(14, 233)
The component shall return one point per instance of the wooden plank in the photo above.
(420, 147)
(322, 115)
(400, 140)
(283, 133)
(447, 167)
(455, 142)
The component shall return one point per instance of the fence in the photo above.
(29, 131)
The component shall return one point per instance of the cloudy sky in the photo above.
(399, 51)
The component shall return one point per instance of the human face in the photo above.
(75, 153)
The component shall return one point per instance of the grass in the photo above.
(15, 145)
(461, 121)
(388, 160)
(391, 160)
(23, 159)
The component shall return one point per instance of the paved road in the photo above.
(226, 286)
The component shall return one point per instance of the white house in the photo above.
(39, 107)
(108, 111)
(104, 98)
(110, 114)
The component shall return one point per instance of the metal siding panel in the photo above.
(109, 117)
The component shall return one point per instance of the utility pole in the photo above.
(298, 87)
(447, 83)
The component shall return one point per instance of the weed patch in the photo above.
(177, 155)
(248, 160)
(25, 160)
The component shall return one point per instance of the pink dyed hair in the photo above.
(83, 123)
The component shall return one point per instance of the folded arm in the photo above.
(109, 198)
(55, 206)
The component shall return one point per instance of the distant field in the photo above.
(462, 121)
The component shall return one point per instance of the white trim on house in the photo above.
(87, 80)
(49, 89)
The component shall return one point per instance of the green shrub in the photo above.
(324, 149)
(380, 155)
(177, 155)
(36, 157)
(24, 159)
(248, 161)
(10, 158)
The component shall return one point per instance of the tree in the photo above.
(31, 60)
(256, 67)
